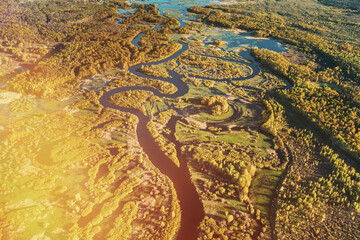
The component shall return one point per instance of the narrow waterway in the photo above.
(191, 207)
(192, 211)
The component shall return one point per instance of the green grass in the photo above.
(155, 108)
(255, 81)
(187, 134)
(204, 116)
(111, 72)
(262, 188)
(244, 138)
(246, 117)
(197, 92)
(203, 91)
(215, 207)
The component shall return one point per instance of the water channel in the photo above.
(191, 207)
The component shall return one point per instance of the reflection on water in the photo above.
(233, 38)
(191, 206)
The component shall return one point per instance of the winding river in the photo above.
(192, 211)
(191, 207)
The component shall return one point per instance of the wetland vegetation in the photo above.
(164, 120)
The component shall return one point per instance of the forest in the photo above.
(337, 74)
(115, 122)
(79, 172)
(332, 49)
(325, 91)
(91, 43)
(347, 4)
